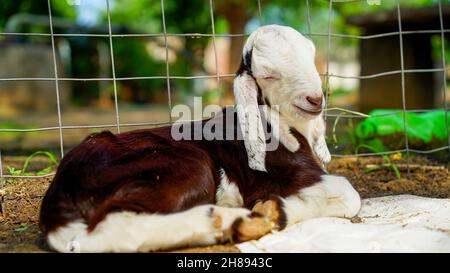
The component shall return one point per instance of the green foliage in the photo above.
(342, 111)
(62, 9)
(59, 8)
(361, 7)
(23, 171)
(436, 44)
(47, 170)
(140, 15)
(134, 61)
(13, 171)
(21, 229)
(386, 158)
(145, 16)
(374, 145)
(132, 56)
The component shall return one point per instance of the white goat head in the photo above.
(278, 68)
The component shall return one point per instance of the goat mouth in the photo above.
(314, 113)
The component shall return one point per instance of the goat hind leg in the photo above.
(141, 232)
(332, 196)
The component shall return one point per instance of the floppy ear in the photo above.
(246, 96)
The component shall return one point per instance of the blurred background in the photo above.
(364, 67)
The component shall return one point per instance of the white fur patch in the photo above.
(320, 145)
(140, 232)
(333, 196)
(228, 194)
(321, 150)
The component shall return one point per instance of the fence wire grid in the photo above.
(168, 77)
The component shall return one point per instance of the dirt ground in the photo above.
(19, 230)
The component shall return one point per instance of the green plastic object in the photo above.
(420, 126)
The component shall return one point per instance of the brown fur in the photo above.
(148, 171)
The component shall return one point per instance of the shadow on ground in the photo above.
(19, 231)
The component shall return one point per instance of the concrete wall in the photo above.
(30, 61)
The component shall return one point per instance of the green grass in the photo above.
(24, 170)
(374, 148)
(389, 163)
(21, 229)
(343, 111)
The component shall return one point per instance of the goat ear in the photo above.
(249, 117)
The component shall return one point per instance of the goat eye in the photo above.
(269, 78)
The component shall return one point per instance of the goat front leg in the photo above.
(333, 196)
(319, 144)
(321, 151)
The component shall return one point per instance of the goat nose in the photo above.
(315, 101)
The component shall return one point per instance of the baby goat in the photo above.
(143, 190)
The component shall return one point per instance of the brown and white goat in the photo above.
(143, 190)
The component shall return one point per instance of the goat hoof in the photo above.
(252, 228)
(272, 210)
(268, 209)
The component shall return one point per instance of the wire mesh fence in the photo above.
(61, 128)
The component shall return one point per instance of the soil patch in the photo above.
(19, 231)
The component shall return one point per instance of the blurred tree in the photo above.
(231, 16)
(10, 8)
(145, 16)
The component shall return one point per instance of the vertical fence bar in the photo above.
(113, 69)
(216, 60)
(308, 18)
(58, 103)
(327, 74)
(169, 99)
(444, 74)
(261, 22)
(402, 68)
(2, 186)
(1, 171)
